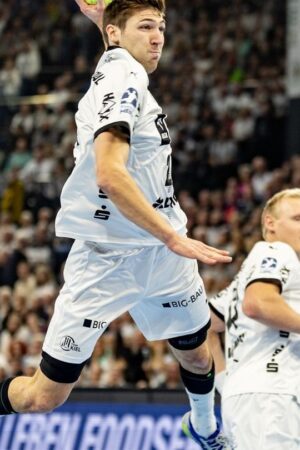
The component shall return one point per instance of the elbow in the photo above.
(250, 308)
(108, 181)
(103, 181)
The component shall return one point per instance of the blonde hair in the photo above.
(272, 204)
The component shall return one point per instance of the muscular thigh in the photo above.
(100, 285)
(262, 421)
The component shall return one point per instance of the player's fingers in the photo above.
(206, 259)
(210, 254)
(212, 249)
(216, 250)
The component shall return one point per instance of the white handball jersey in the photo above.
(119, 97)
(260, 358)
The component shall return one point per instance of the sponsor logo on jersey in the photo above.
(88, 323)
(102, 194)
(185, 302)
(273, 365)
(284, 334)
(108, 105)
(129, 101)
(268, 264)
(233, 313)
(98, 76)
(162, 128)
(109, 58)
(239, 340)
(167, 202)
(102, 214)
(284, 272)
(68, 344)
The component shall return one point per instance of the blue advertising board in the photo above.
(98, 426)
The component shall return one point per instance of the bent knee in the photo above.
(197, 360)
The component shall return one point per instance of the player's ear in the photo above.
(114, 34)
(269, 223)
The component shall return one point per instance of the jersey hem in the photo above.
(127, 243)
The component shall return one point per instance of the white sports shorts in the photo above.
(162, 291)
(262, 421)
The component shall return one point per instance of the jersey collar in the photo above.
(112, 47)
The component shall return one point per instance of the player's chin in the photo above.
(152, 66)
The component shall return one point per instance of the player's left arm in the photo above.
(264, 303)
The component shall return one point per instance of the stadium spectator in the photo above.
(10, 78)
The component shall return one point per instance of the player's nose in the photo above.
(157, 37)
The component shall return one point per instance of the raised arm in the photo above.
(93, 12)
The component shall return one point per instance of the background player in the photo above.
(260, 313)
(131, 251)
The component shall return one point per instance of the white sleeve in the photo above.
(118, 93)
(272, 263)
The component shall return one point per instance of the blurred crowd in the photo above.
(221, 82)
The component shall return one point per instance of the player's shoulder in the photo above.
(278, 248)
(117, 61)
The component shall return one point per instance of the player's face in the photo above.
(286, 225)
(143, 37)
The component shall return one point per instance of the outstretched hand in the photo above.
(92, 12)
(191, 248)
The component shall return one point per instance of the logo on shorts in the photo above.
(68, 344)
(185, 302)
(99, 324)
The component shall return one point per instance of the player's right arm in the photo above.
(111, 152)
(264, 303)
(92, 12)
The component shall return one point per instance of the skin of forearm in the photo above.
(274, 312)
(131, 202)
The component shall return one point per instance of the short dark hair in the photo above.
(119, 11)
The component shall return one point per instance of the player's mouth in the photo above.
(155, 54)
